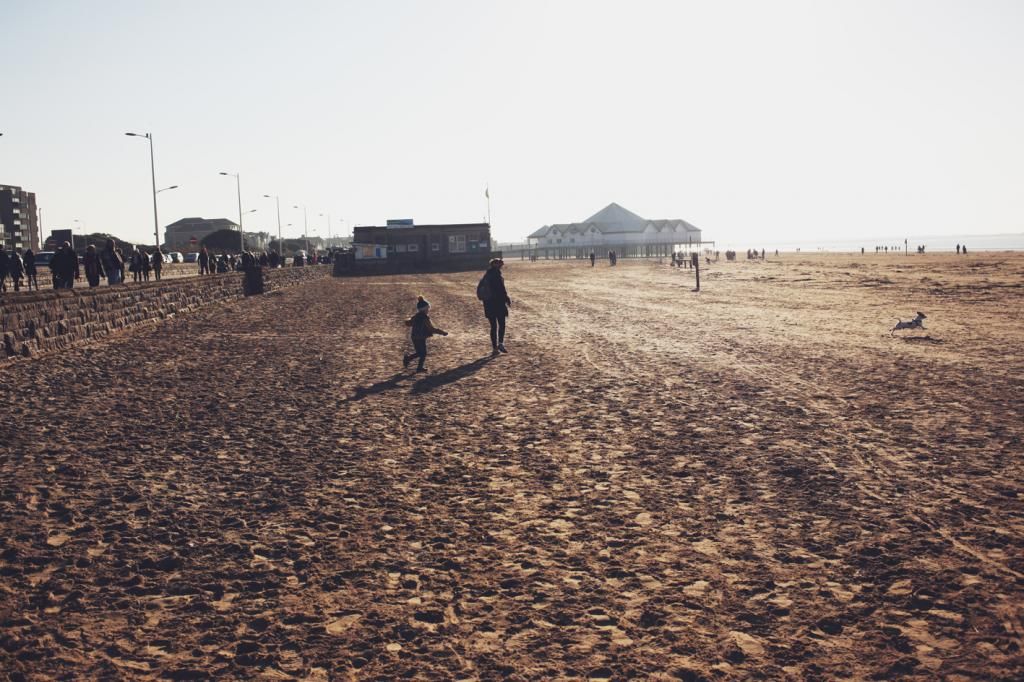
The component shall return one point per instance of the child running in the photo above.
(421, 330)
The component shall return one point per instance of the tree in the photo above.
(224, 240)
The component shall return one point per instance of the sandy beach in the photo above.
(753, 481)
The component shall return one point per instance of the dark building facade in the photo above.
(412, 248)
(19, 218)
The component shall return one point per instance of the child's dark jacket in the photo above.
(422, 327)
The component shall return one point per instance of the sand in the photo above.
(753, 481)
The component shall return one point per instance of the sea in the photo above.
(931, 243)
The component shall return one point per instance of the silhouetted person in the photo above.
(29, 260)
(593, 258)
(145, 265)
(158, 263)
(65, 267)
(275, 259)
(204, 262)
(93, 266)
(963, 249)
(421, 329)
(111, 262)
(16, 269)
(496, 302)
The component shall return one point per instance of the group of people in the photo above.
(17, 266)
(490, 290)
(210, 264)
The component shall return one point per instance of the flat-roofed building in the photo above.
(402, 246)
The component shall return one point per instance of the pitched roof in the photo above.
(613, 214)
(614, 219)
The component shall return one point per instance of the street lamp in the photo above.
(82, 223)
(241, 230)
(280, 243)
(152, 171)
(166, 188)
(328, 228)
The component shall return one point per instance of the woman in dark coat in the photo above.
(496, 303)
(93, 266)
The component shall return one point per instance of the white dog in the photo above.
(916, 323)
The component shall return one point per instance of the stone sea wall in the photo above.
(34, 323)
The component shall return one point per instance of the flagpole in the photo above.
(487, 193)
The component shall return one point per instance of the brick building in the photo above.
(19, 220)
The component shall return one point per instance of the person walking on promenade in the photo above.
(29, 259)
(135, 265)
(491, 291)
(145, 265)
(65, 267)
(593, 258)
(111, 263)
(5, 267)
(421, 329)
(158, 263)
(204, 262)
(93, 266)
(16, 269)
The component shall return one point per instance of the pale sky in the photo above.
(756, 121)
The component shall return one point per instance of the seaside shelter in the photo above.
(614, 228)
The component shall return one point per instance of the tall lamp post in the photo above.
(241, 230)
(328, 228)
(82, 223)
(305, 226)
(280, 242)
(152, 172)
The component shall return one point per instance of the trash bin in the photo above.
(252, 282)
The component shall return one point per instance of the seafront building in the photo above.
(614, 228)
(401, 246)
(19, 219)
(186, 234)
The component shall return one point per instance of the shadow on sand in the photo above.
(429, 383)
(379, 387)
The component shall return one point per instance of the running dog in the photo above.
(916, 323)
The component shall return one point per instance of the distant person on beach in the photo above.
(93, 266)
(492, 293)
(958, 249)
(963, 249)
(204, 261)
(593, 259)
(421, 329)
(111, 263)
(29, 260)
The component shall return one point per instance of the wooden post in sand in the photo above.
(695, 262)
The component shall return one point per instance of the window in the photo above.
(414, 247)
(457, 243)
(436, 246)
(399, 248)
